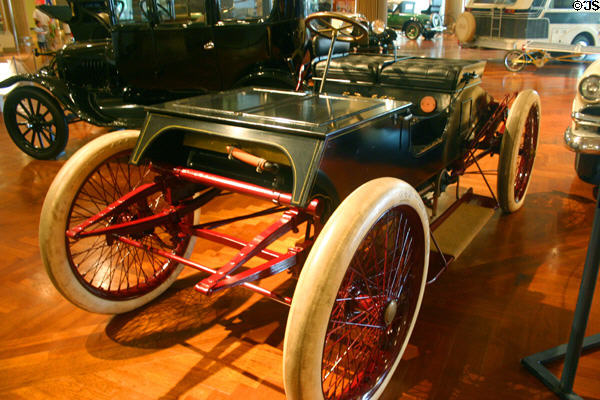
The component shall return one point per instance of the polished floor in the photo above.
(510, 294)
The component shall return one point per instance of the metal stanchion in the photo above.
(577, 342)
(588, 168)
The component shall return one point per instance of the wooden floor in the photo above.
(510, 294)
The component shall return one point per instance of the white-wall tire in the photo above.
(518, 150)
(78, 181)
(353, 227)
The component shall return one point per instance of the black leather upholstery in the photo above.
(429, 73)
(426, 73)
(355, 67)
(321, 46)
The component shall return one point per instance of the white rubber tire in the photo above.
(322, 276)
(515, 55)
(436, 20)
(509, 149)
(53, 221)
(465, 27)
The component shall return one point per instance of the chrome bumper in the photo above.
(583, 136)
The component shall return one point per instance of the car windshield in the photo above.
(129, 11)
(136, 11)
(241, 10)
(343, 6)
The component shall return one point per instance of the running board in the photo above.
(455, 227)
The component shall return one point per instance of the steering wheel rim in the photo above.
(350, 30)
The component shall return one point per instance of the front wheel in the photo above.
(100, 273)
(412, 30)
(515, 60)
(35, 122)
(582, 40)
(428, 35)
(358, 295)
(518, 149)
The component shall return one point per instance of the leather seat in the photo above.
(355, 67)
(426, 73)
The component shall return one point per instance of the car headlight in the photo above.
(378, 27)
(589, 88)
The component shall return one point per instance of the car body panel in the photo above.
(157, 53)
(583, 135)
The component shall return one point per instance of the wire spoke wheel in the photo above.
(35, 122)
(103, 264)
(526, 154)
(101, 273)
(518, 150)
(374, 307)
(358, 295)
(515, 60)
(412, 30)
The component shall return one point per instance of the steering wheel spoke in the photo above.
(349, 30)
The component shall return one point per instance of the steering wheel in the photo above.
(162, 9)
(332, 24)
(159, 7)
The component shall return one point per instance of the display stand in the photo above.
(563, 388)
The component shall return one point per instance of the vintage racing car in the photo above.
(348, 173)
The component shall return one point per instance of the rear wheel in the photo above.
(428, 35)
(100, 273)
(583, 40)
(412, 30)
(358, 295)
(35, 122)
(518, 149)
(515, 60)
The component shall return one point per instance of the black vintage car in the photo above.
(132, 53)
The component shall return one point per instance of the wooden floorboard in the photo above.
(510, 294)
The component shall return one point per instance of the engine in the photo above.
(89, 65)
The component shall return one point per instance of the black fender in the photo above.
(75, 101)
(270, 77)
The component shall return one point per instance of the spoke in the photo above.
(348, 348)
(396, 240)
(406, 235)
(30, 106)
(33, 137)
(360, 298)
(39, 135)
(27, 110)
(25, 133)
(357, 324)
(43, 133)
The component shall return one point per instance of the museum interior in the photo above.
(176, 174)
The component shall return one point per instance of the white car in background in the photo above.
(583, 136)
